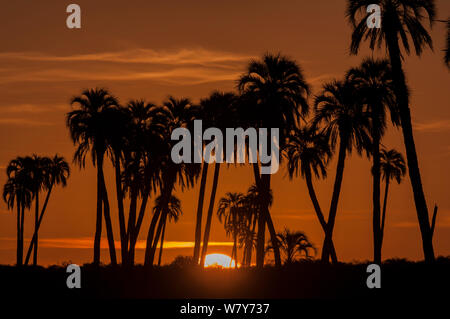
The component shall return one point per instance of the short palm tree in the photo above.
(230, 213)
(275, 95)
(392, 167)
(373, 80)
(294, 245)
(307, 152)
(339, 113)
(89, 129)
(402, 22)
(17, 191)
(172, 213)
(56, 171)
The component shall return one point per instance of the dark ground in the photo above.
(399, 279)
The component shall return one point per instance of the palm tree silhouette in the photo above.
(392, 166)
(338, 110)
(218, 110)
(56, 171)
(89, 129)
(230, 211)
(308, 151)
(275, 93)
(173, 213)
(17, 190)
(400, 18)
(373, 80)
(250, 214)
(294, 245)
(173, 114)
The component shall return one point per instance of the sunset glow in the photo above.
(219, 260)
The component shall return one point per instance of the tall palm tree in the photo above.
(218, 110)
(373, 80)
(56, 172)
(17, 191)
(339, 112)
(307, 152)
(172, 114)
(402, 20)
(392, 167)
(276, 92)
(172, 212)
(89, 128)
(294, 245)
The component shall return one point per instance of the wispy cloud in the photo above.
(28, 108)
(185, 66)
(180, 57)
(433, 126)
(24, 122)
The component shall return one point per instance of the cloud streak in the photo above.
(185, 66)
(433, 126)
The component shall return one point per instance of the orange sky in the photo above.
(149, 49)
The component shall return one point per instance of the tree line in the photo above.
(348, 114)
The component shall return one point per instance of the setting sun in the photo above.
(219, 260)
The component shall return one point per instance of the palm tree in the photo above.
(89, 128)
(400, 18)
(308, 151)
(218, 111)
(230, 210)
(250, 216)
(17, 191)
(294, 245)
(392, 167)
(173, 114)
(276, 92)
(173, 212)
(56, 172)
(373, 80)
(338, 110)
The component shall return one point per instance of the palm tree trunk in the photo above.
(157, 236)
(263, 184)
(210, 213)
(162, 242)
(235, 249)
(198, 226)
(318, 210)
(41, 216)
(22, 229)
(108, 224)
(151, 233)
(19, 230)
(131, 223)
(260, 237)
(334, 201)
(36, 228)
(119, 193)
(402, 94)
(383, 218)
(134, 233)
(376, 221)
(99, 217)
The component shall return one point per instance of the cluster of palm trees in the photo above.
(27, 178)
(347, 114)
